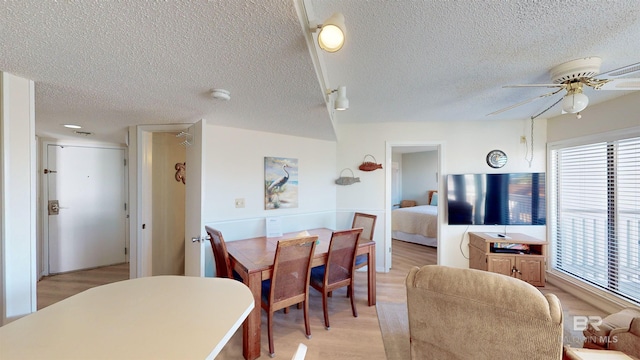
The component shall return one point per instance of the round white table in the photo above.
(160, 317)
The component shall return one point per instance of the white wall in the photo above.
(234, 169)
(616, 114)
(464, 148)
(18, 271)
(419, 171)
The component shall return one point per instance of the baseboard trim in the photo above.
(590, 294)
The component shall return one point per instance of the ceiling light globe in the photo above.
(574, 103)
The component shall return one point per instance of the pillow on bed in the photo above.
(434, 199)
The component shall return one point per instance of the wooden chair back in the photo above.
(368, 224)
(220, 254)
(291, 271)
(341, 258)
(365, 221)
(289, 283)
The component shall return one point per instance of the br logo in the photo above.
(581, 322)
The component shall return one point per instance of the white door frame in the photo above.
(140, 254)
(44, 188)
(439, 146)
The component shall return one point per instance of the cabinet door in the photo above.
(501, 264)
(531, 270)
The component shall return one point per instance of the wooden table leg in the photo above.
(251, 326)
(371, 271)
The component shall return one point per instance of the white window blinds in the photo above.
(595, 214)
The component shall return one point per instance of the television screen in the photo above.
(496, 199)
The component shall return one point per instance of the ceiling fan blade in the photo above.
(625, 70)
(622, 84)
(525, 102)
(535, 85)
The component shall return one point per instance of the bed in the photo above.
(417, 224)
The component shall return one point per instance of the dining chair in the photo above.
(220, 254)
(289, 283)
(368, 224)
(339, 269)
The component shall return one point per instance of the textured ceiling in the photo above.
(108, 65)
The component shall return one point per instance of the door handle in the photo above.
(200, 238)
(54, 207)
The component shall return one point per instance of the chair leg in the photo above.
(325, 309)
(272, 352)
(353, 301)
(299, 305)
(307, 328)
(286, 310)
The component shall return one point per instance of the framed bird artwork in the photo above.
(280, 183)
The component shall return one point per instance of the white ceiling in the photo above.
(108, 65)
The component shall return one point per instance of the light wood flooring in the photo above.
(349, 337)
(52, 289)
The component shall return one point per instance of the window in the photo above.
(595, 214)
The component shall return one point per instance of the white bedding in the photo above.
(421, 220)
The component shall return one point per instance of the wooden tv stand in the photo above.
(528, 265)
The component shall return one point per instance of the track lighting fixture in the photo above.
(341, 102)
(331, 33)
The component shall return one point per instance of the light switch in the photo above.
(239, 203)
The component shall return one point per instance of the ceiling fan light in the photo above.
(332, 34)
(576, 102)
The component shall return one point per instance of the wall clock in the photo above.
(496, 158)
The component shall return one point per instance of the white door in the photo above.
(194, 204)
(87, 186)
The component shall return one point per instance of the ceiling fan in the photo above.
(573, 75)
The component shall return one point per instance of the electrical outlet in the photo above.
(239, 203)
(523, 139)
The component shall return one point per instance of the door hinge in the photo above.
(125, 251)
(125, 206)
(125, 162)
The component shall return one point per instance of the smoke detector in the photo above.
(220, 94)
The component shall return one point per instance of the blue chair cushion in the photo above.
(266, 287)
(361, 259)
(317, 275)
(236, 276)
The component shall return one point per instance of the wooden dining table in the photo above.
(253, 260)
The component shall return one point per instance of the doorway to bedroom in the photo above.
(413, 196)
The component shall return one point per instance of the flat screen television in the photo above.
(496, 199)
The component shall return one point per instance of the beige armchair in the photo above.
(619, 331)
(472, 314)
(627, 340)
